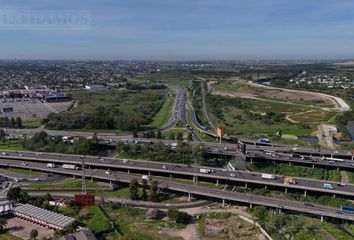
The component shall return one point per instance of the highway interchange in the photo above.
(97, 166)
(223, 195)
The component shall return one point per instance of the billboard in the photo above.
(219, 132)
(85, 200)
(8, 110)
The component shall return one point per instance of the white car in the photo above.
(5, 153)
(107, 172)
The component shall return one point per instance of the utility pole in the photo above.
(83, 184)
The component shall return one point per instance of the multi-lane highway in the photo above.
(210, 193)
(221, 176)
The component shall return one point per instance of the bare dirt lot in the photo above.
(22, 228)
(32, 110)
(242, 88)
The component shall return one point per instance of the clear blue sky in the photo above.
(188, 30)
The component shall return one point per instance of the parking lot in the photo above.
(22, 229)
(32, 109)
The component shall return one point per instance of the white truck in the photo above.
(174, 145)
(205, 170)
(268, 176)
(50, 165)
(70, 166)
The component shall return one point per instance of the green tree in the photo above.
(159, 134)
(2, 135)
(190, 136)
(12, 122)
(14, 194)
(33, 234)
(179, 136)
(134, 189)
(154, 191)
(3, 223)
(144, 195)
(19, 122)
(171, 136)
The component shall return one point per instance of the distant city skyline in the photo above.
(182, 30)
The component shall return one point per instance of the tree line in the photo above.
(183, 153)
(43, 142)
(11, 122)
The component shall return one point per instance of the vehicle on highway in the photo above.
(232, 175)
(20, 155)
(107, 172)
(70, 166)
(332, 159)
(328, 186)
(4, 153)
(308, 204)
(146, 177)
(347, 209)
(268, 176)
(24, 164)
(341, 184)
(50, 165)
(125, 160)
(264, 140)
(164, 166)
(206, 170)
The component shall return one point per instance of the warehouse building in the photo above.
(42, 216)
(56, 97)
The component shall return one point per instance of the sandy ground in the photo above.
(30, 110)
(22, 229)
(258, 90)
(189, 233)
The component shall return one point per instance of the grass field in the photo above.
(252, 120)
(31, 123)
(296, 171)
(69, 184)
(8, 236)
(11, 145)
(126, 101)
(177, 78)
(162, 115)
(26, 172)
(120, 223)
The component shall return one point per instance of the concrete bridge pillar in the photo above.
(337, 169)
(223, 203)
(73, 176)
(322, 219)
(149, 173)
(170, 176)
(289, 163)
(217, 182)
(251, 160)
(279, 210)
(91, 179)
(189, 197)
(334, 195)
(313, 166)
(89, 167)
(286, 190)
(110, 182)
(246, 185)
(305, 193)
(30, 169)
(265, 186)
(128, 171)
(251, 205)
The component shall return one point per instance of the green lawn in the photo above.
(296, 171)
(31, 123)
(26, 172)
(11, 145)
(119, 193)
(69, 184)
(8, 236)
(163, 114)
